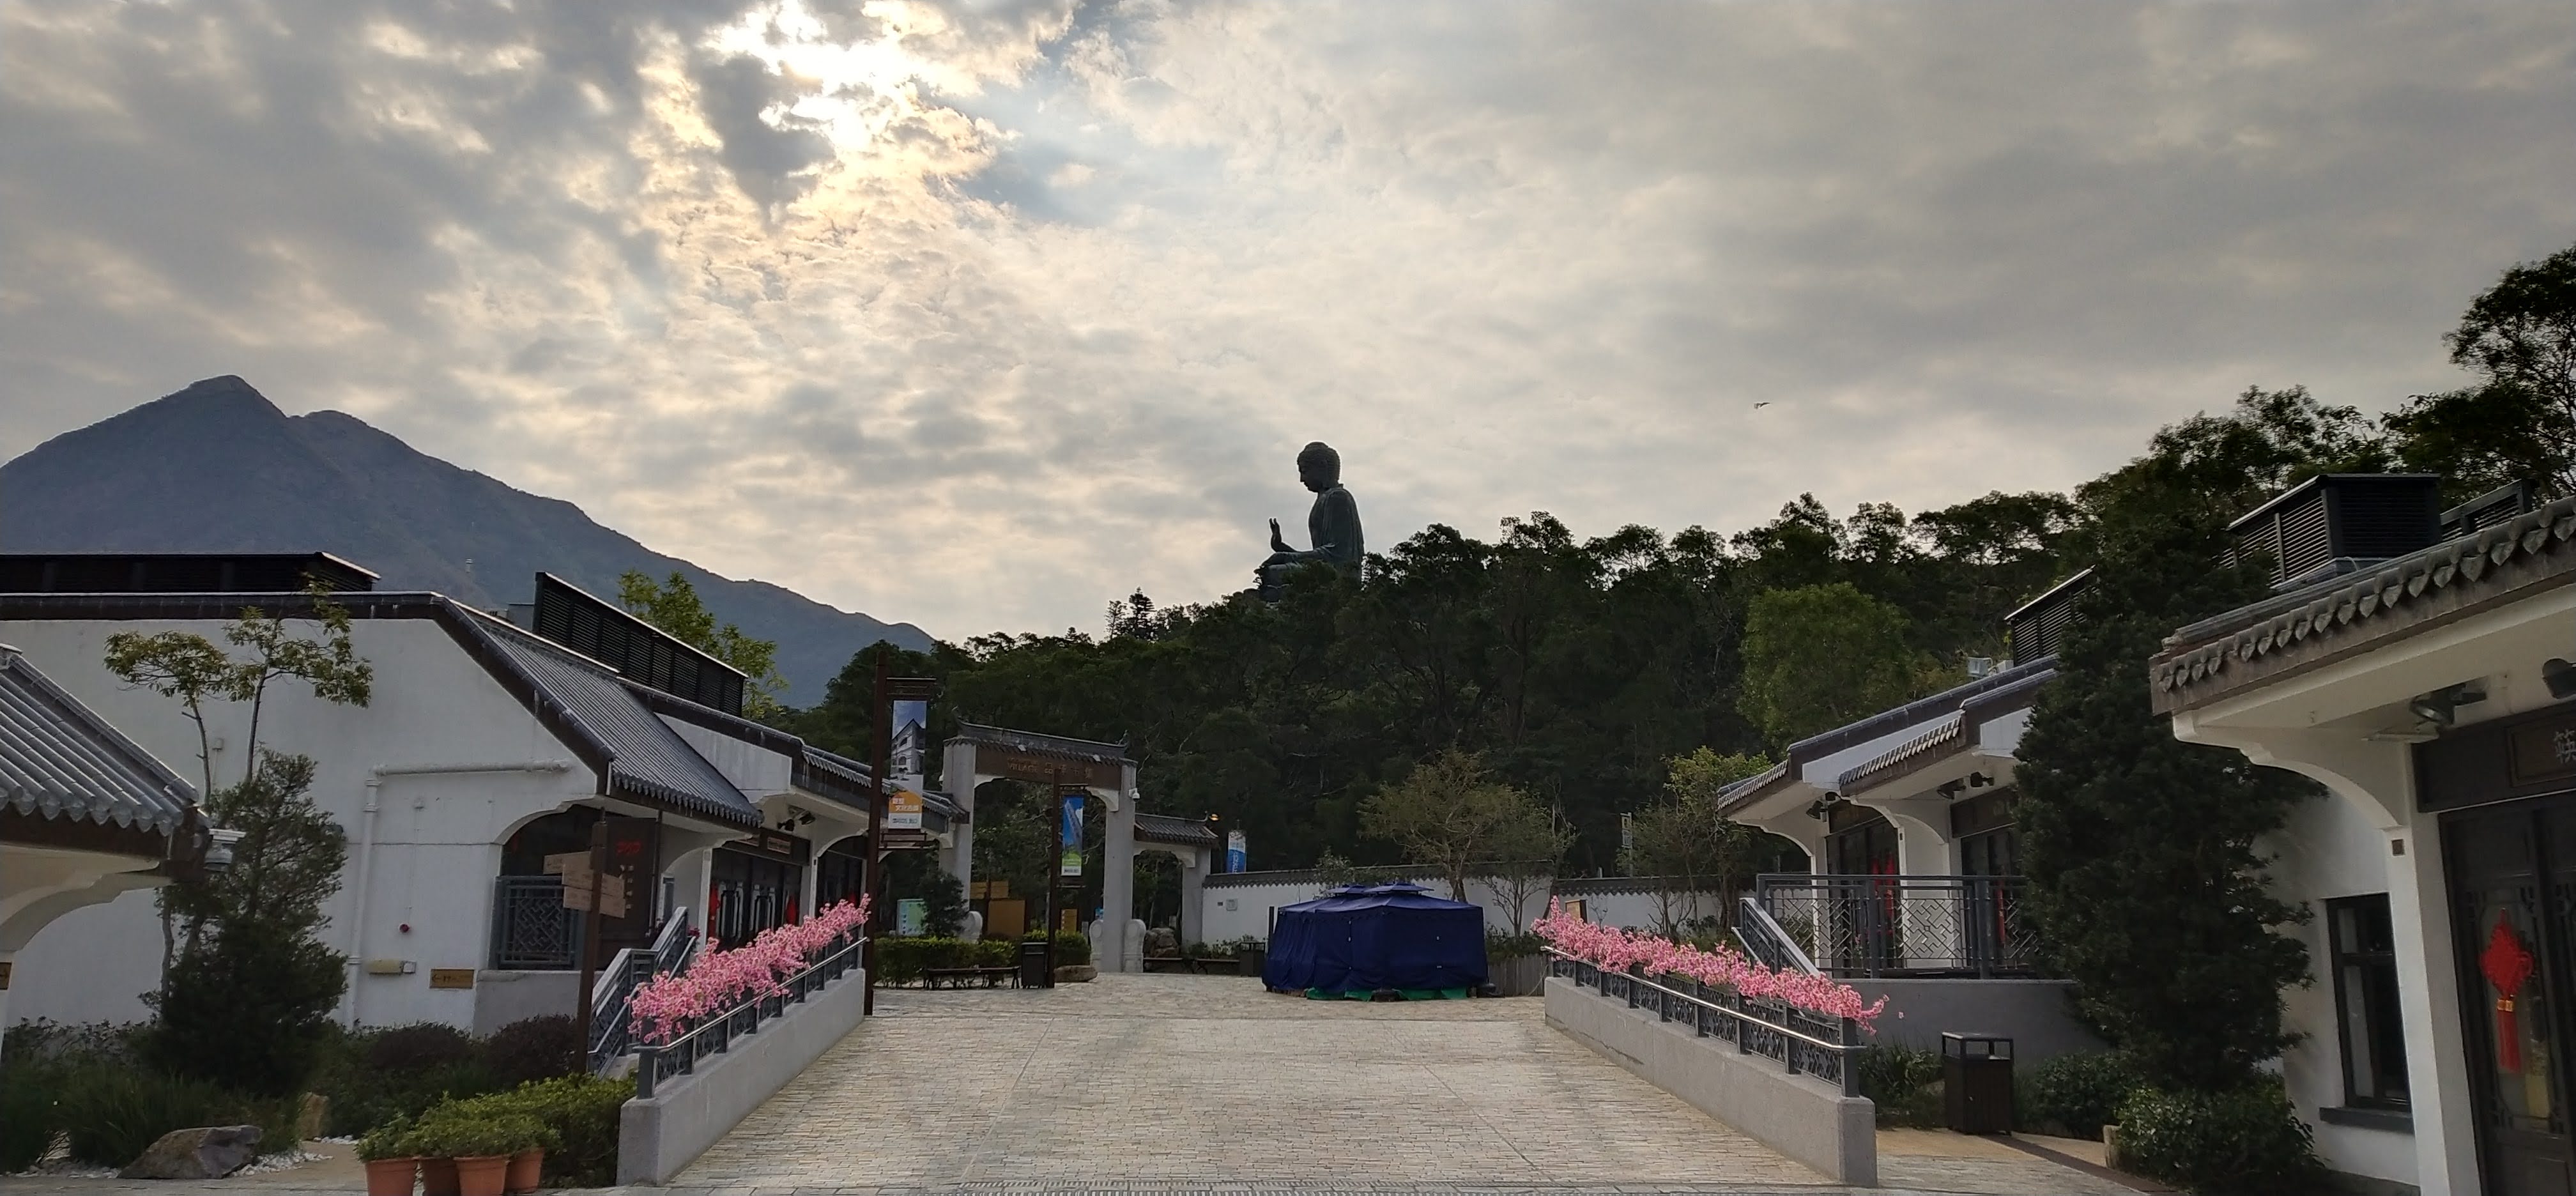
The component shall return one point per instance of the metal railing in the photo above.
(613, 993)
(531, 929)
(1901, 925)
(1801, 1042)
(1766, 942)
(656, 1062)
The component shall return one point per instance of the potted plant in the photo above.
(481, 1143)
(390, 1167)
(528, 1164)
(427, 1142)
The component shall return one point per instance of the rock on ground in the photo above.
(206, 1152)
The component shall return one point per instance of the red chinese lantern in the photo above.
(2507, 964)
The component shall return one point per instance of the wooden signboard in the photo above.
(451, 977)
(1007, 918)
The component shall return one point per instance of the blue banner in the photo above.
(1236, 858)
(1071, 864)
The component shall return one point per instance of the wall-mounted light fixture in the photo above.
(2560, 677)
(2440, 708)
(1979, 780)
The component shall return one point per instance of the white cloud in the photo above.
(977, 315)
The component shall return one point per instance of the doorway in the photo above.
(2512, 881)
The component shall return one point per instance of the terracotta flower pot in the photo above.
(525, 1167)
(482, 1174)
(438, 1177)
(391, 1177)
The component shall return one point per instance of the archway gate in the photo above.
(978, 753)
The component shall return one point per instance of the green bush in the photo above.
(2081, 1092)
(1904, 1082)
(581, 1114)
(27, 1116)
(534, 1048)
(1501, 945)
(115, 1110)
(2242, 1141)
(1071, 946)
(419, 1047)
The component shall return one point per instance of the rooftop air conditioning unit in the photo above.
(2336, 523)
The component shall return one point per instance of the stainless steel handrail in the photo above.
(1843, 1052)
(1737, 1014)
(1774, 936)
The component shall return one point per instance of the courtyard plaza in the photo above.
(1178, 1084)
(1208, 1082)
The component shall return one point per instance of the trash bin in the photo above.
(1977, 1083)
(1034, 969)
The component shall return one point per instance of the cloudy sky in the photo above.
(981, 314)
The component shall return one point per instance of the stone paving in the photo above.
(1211, 1083)
(1179, 1085)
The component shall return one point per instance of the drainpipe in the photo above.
(367, 848)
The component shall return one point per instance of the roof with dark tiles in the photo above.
(2339, 616)
(59, 760)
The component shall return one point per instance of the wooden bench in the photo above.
(969, 977)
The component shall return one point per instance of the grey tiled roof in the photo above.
(645, 759)
(2339, 615)
(1043, 745)
(59, 760)
(1163, 828)
(1946, 737)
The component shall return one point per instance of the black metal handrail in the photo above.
(612, 995)
(656, 1062)
(1766, 942)
(1902, 925)
(1801, 1042)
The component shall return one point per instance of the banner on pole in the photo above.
(903, 810)
(908, 752)
(1071, 864)
(1236, 858)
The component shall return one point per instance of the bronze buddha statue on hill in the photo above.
(1332, 524)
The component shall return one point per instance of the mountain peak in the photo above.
(217, 467)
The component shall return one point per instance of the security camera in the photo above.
(2561, 677)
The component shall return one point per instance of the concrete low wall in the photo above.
(501, 998)
(2038, 1015)
(1799, 1116)
(658, 1137)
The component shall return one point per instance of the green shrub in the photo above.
(2242, 1141)
(1501, 945)
(388, 1141)
(419, 1047)
(1904, 1082)
(27, 1115)
(534, 1048)
(114, 1111)
(582, 1113)
(1071, 946)
(2081, 1092)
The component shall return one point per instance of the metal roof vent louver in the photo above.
(2338, 522)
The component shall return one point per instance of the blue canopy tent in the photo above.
(1363, 939)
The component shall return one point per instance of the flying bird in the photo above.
(1764, 403)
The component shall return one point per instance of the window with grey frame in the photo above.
(2373, 1040)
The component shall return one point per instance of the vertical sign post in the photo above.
(590, 930)
(1053, 883)
(888, 693)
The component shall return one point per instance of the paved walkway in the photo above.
(1183, 1081)
(1184, 1084)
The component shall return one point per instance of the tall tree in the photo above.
(2145, 881)
(1450, 814)
(673, 605)
(1817, 657)
(2518, 421)
(1684, 844)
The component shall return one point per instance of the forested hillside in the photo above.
(1577, 664)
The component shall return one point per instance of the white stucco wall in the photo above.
(2326, 850)
(437, 836)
